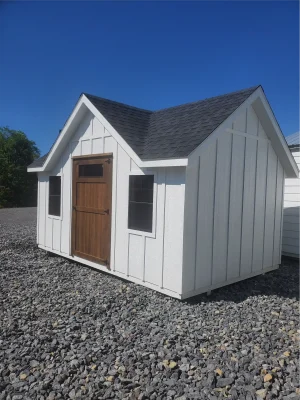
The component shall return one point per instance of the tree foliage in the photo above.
(18, 188)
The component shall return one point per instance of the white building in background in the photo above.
(291, 215)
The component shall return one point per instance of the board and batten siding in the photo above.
(291, 215)
(153, 259)
(233, 209)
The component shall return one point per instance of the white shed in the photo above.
(291, 215)
(181, 200)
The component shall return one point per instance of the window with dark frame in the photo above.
(91, 170)
(54, 195)
(140, 209)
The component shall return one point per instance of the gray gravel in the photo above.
(69, 332)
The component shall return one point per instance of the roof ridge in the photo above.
(209, 98)
(117, 102)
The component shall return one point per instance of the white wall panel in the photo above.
(86, 147)
(292, 182)
(235, 206)
(56, 234)
(206, 189)
(154, 247)
(289, 226)
(240, 122)
(291, 234)
(76, 146)
(291, 250)
(291, 218)
(292, 190)
(136, 255)
(270, 209)
(291, 211)
(261, 132)
(248, 207)
(173, 238)
(291, 207)
(260, 205)
(278, 215)
(190, 224)
(85, 128)
(252, 122)
(98, 128)
(239, 202)
(42, 210)
(121, 236)
(97, 145)
(293, 197)
(110, 145)
(49, 227)
(220, 241)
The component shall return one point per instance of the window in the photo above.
(54, 195)
(140, 202)
(91, 170)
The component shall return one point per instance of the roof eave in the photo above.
(83, 104)
(269, 122)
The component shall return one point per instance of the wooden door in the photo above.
(91, 207)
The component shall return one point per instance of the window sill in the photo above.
(54, 217)
(142, 233)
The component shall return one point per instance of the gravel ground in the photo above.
(67, 331)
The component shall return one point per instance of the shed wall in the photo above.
(290, 235)
(233, 209)
(154, 260)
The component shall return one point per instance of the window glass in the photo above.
(91, 170)
(140, 202)
(54, 195)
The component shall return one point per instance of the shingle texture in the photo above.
(172, 132)
(39, 162)
(294, 139)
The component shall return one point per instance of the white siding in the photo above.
(154, 259)
(234, 192)
(291, 226)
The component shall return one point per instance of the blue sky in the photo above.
(148, 54)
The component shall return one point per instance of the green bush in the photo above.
(18, 188)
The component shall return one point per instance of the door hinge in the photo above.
(106, 211)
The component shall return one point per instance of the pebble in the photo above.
(76, 333)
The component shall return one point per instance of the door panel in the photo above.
(91, 211)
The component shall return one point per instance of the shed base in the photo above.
(148, 285)
(115, 273)
(231, 281)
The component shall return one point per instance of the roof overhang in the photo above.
(270, 125)
(83, 105)
(269, 122)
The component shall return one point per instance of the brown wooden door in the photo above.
(91, 207)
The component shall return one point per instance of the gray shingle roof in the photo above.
(293, 139)
(39, 162)
(169, 133)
